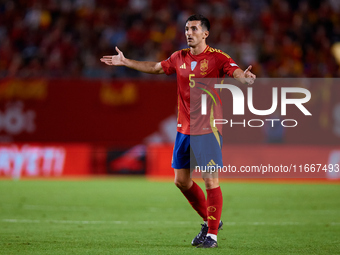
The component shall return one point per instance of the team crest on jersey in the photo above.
(204, 66)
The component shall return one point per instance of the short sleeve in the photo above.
(228, 65)
(169, 65)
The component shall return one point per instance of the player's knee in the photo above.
(211, 183)
(179, 184)
(182, 184)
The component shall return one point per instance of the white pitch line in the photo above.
(63, 221)
(47, 207)
(20, 221)
(89, 222)
(55, 208)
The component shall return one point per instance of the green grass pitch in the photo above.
(137, 216)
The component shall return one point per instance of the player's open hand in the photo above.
(249, 76)
(115, 60)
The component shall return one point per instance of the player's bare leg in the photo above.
(183, 179)
(211, 182)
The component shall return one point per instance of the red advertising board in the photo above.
(44, 160)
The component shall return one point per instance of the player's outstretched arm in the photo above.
(246, 77)
(143, 66)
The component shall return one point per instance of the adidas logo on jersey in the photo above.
(183, 66)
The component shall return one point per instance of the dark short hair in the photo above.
(204, 21)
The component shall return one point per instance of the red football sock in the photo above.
(196, 198)
(214, 202)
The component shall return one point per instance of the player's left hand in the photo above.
(249, 76)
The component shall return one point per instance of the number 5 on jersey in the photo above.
(191, 81)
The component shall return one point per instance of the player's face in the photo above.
(194, 33)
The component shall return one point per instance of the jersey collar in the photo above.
(203, 52)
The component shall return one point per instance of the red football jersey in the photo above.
(211, 63)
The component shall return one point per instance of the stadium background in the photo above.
(63, 112)
(71, 126)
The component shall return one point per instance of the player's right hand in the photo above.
(115, 60)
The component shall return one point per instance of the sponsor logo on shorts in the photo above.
(211, 163)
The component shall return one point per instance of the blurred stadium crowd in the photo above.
(66, 38)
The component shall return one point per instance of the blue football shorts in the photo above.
(197, 150)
